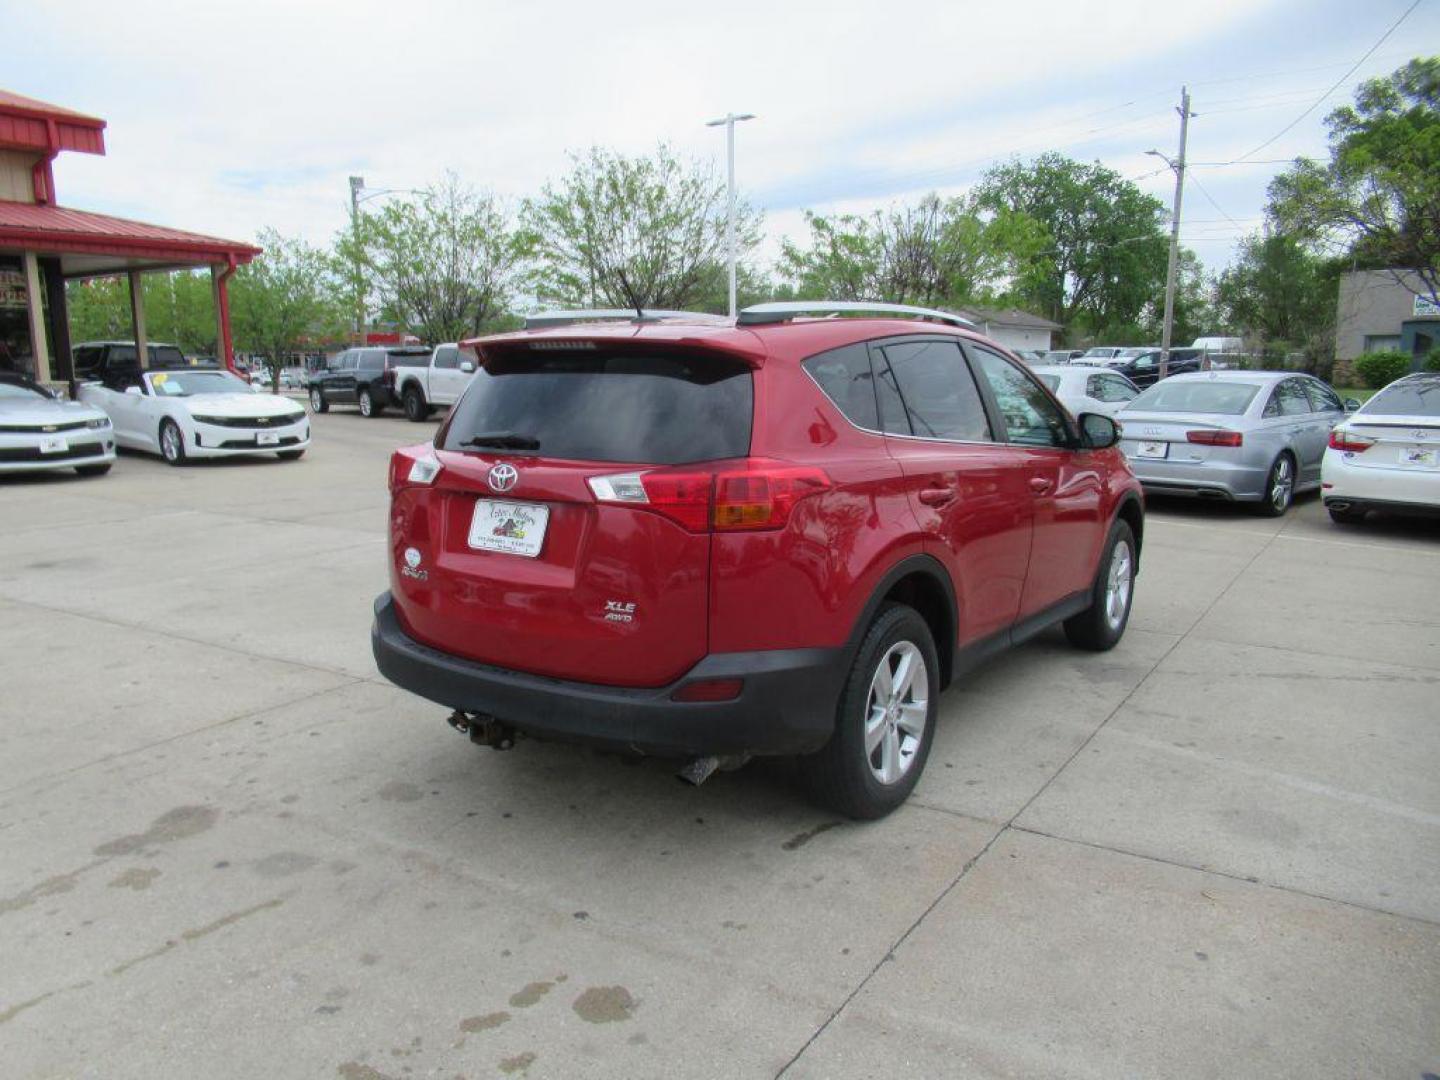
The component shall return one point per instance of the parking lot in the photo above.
(232, 850)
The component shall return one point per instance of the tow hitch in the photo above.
(483, 729)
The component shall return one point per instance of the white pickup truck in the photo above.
(421, 390)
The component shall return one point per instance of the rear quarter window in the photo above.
(845, 376)
(658, 408)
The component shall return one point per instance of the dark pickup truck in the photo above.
(364, 376)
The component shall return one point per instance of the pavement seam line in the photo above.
(1010, 822)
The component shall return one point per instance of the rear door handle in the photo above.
(1040, 485)
(937, 496)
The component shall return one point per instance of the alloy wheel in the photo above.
(896, 712)
(1282, 484)
(170, 442)
(1118, 583)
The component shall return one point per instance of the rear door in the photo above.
(528, 568)
(1326, 410)
(1065, 485)
(1288, 413)
(966, 488)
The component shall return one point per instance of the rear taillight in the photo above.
(416, 466)
(759, 495)
(1346, 440)
(387, 378)
(1215, 438)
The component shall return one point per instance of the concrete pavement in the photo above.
(231, 850)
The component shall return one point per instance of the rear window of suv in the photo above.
(651, 408)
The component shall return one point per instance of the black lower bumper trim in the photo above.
(1383, 506)
(787, 705)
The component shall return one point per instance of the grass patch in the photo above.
(1359, 393)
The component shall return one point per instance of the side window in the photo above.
(372, 360)
(845, 376)
(121, 354)
(349, 361)
(447, 357)
(1322, 398)
(86, 359)
(1031, 418)
(1096, 387)
(937, 390)
(1290, 398)
(1119, 390)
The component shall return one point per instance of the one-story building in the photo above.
(1011, 327)
(44, 244)
(1385, 309)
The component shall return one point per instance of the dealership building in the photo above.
(1385, 309)
(43, 244)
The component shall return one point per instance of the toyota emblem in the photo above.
(503, 476)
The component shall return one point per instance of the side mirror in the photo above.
(134, 390)
(1351, 404)
(1097, 431)
(467, 367)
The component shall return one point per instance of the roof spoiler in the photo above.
(786, 310)
(543, 320)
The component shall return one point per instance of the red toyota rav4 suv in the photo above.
(711, 538)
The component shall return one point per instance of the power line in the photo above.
(1336, 85)
(1211, 200)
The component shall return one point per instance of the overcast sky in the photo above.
(227, 118)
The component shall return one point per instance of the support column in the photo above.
(137, 320)
(219, 287)
(34, 308)
(59, 321)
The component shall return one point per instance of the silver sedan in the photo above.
(1243, 436)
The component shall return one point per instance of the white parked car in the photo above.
(1386, 455)
(1087, 389)
(195, 413)
(39, 431)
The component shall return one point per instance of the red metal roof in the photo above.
(60, 229)
(26, 124)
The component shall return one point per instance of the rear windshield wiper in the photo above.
(502, 440)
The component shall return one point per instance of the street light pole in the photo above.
(357, 185)
(729, 120)
(1178, 166)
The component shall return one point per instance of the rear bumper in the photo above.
(1201, 479)
(1384, 506)
(787, 705)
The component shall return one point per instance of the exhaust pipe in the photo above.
(1338, 504)
(483, 729)
(702, 768)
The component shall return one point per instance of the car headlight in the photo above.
(96, 425)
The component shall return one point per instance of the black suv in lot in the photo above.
(364, 376)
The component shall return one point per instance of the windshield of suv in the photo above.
(186, 383)
(1413, 397)
(1224, 398)
(655, 408)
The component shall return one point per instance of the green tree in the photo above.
(284, 301)
(1195, 312)
(641, 232)
(1377, 200)
(179, 309)
(99, 309)
(1283, 295)
(445, 265)
(1108, 246)
(932, 252)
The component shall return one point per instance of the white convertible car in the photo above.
(197, 413)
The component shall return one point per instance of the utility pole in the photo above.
(357, 185)
(729, 120)
(1178, 167)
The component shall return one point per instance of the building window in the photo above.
(1376, 342)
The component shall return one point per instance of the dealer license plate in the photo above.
(54, 444)
(1152, 449)
(267, 438)
(508, 527)
(1424, 457)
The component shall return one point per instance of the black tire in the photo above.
(842, 777)
(172, 442)
(92, 470)
(415, 408)
(369, 407)
(291, 455)
(1272, 502)
(318, 404)
(1100, 626)
(1345, 517)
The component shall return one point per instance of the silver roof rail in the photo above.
(545, 319)
(785, 310)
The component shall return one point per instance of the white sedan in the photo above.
(197, 413)
(1386, 455)
(39, 431)
(1087, 389)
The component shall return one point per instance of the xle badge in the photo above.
(618, 611)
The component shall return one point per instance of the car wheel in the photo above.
(317, 401)
(415, 408)
(172, 443)
(885, 721)
(291, 455)
(92, 470)
(368, 407)
(1279, 488)
(1102, 624)
(1345, 517)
